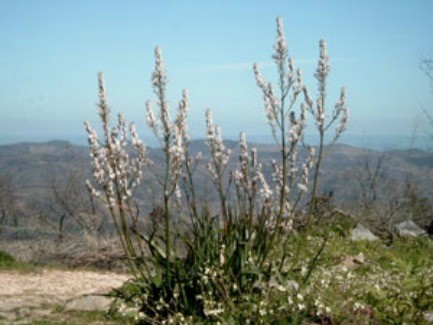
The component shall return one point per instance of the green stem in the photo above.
(122, 240)
(284, 165)
(167, 215)
(316, 174)
(167, 240)
(315, 259)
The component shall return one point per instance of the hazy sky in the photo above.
(51, 51)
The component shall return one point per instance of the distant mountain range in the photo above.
(33, 167)
(377, 142)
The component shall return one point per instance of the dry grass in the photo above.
(74, 252)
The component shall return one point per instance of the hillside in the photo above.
(35, 168)
(34, 165)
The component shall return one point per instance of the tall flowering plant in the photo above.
(117, 173)
(318, 110)
(287, 128)
(222, 263)
(251, 185)
(172, 135)
(220, 156)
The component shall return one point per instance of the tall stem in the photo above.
(283, 161)
(223, 205)
(283, 146)
(321, 77)
(316, 173)
(167, 212)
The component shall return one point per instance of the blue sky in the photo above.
(51, 51)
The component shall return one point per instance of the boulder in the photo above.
(409, 228)
(362, 233)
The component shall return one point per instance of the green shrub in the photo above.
(7, 262)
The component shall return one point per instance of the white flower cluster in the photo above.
(270, 101)
(323, 67)
(296, 132)
(265, 190)
(281, 43)
(277, 176)
(289, 80)
(159, 83)
(220, 154)
(249, 175)
(286, 128)
(115, 171)
(303, 184)
(341, 109)
(172, 135)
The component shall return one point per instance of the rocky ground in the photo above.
(26, 297)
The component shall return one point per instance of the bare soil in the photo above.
(27, 296)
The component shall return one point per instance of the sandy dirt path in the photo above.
(32, 291)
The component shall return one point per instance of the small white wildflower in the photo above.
(301, 306)
(281, 288)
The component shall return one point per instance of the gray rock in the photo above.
(131, 310)
(293, 285)
(428, 316)
(362, 233)
(89, 303)
(409, 229)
